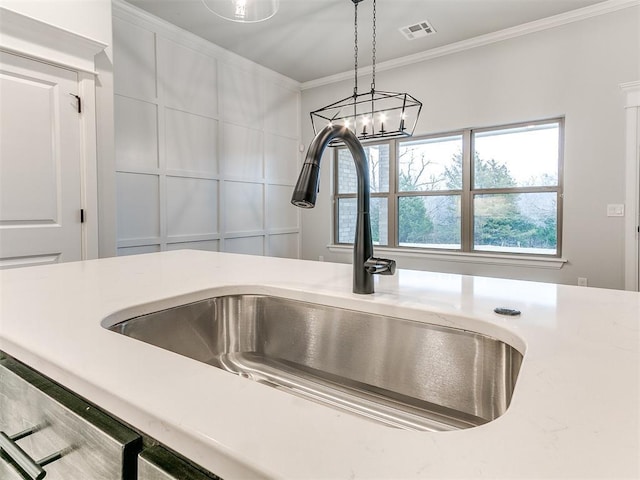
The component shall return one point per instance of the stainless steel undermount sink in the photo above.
(398, 372)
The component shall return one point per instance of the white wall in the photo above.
(206, 144)
(574, 70)
(91, 18)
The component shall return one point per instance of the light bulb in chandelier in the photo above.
(365, 121)
(382, 118)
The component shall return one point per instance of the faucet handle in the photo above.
(380, 266)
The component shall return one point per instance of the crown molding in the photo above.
(578, 15)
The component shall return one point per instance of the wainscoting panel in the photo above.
(207, 144)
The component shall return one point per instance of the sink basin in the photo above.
(399, 372)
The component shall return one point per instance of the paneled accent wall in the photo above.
(206, 144)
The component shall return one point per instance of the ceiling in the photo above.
(311, 39)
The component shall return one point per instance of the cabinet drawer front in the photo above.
(157, 463)
(93, 445)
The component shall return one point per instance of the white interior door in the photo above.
(40, 196)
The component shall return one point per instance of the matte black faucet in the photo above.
(365, 265)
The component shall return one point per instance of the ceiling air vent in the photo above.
(418, 30)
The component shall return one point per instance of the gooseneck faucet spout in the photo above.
(365, 265)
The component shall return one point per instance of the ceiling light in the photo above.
(243, 11)
(381, 114)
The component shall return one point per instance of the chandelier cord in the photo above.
(369, 115)
(373, 48)
(355, 49)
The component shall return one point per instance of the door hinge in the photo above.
(82, 215)
(79, 101)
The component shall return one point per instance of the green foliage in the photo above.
(490, 174)
(374, 214)
(499, 220)
(515, 231)
(414, 225)
(486, 174)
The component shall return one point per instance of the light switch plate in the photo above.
(615, 210)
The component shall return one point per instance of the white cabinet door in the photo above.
(40, 195)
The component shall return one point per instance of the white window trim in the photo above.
(554, 263)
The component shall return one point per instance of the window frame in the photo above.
(338, 196)
(467, 193)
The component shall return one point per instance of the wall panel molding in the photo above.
(218, 133)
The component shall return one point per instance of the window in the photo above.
(486, 190)
(346, 179)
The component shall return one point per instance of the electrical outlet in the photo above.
(321, 258)
(582, 281)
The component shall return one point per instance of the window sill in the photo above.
(529, 261)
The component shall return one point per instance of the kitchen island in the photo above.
(574, 411)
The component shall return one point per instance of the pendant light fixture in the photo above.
(372, 115)
(243, 11)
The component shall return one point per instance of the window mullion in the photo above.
(467, 196)
(514, 190)
(431, 193)
(336, 212)
(393, 193)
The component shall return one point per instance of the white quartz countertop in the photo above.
(574, 412)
